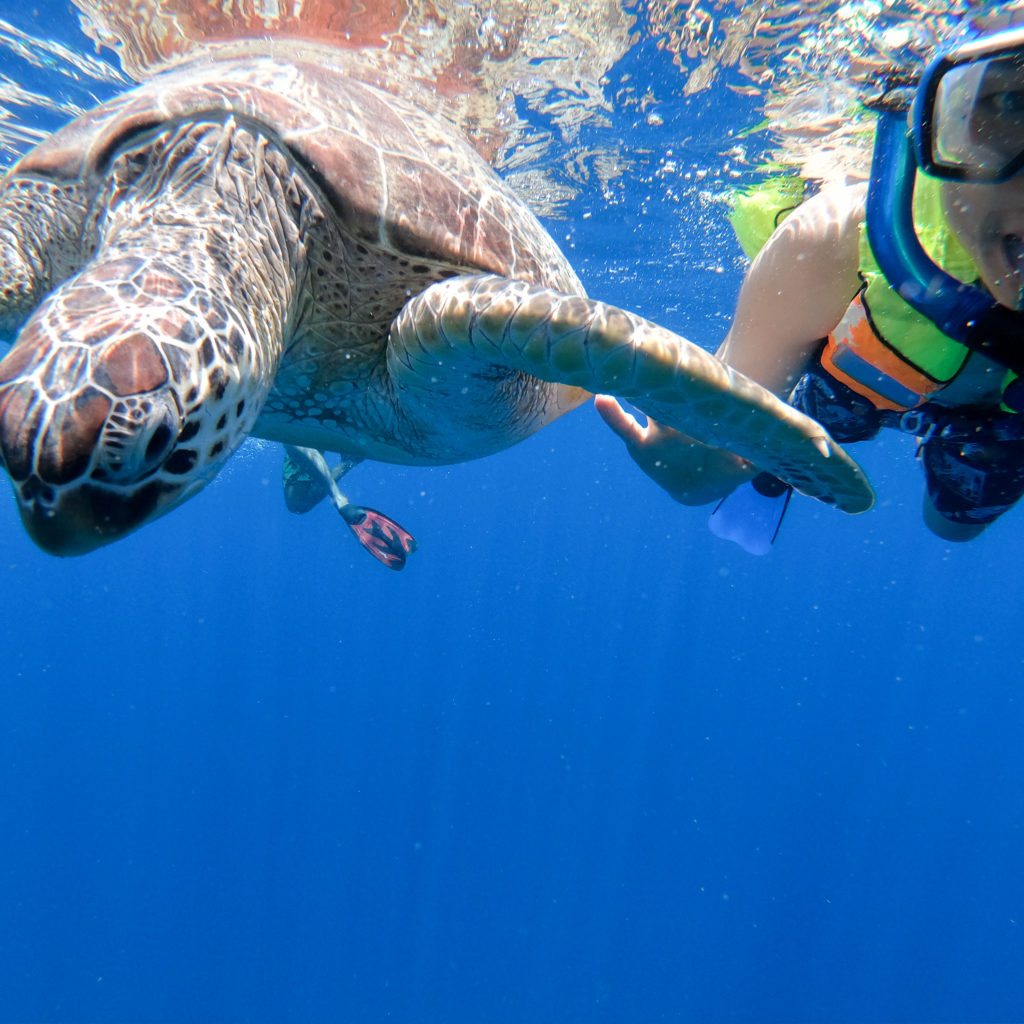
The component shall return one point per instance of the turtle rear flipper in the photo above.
(463, 327)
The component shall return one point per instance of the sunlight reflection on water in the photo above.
(537, 86)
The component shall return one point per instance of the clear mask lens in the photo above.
(978, 118)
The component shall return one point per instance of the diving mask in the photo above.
(968, 115)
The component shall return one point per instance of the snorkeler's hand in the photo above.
(691, 472)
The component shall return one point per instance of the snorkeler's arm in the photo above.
(797, 289)
(691, 472)
(795, 292)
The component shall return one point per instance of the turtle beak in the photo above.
(48, 449)
(52, 530)
(81, 519)
(83, 448)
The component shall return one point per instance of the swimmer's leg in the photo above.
(385, 539)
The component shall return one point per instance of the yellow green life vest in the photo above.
(883, 348)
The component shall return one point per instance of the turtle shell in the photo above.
(396, 177)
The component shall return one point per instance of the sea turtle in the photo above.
(265, 245)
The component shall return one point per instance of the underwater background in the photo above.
(581, 761)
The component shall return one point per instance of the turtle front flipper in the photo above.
(308, 479)
(461, 325)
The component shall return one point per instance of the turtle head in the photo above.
(118, 401)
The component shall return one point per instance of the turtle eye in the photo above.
(139, 435)
(160, 442)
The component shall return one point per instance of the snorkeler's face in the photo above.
(989, 222)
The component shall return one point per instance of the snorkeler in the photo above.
(920, 330)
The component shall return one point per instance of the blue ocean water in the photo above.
(580, 762)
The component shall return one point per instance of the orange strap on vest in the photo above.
(856, 354)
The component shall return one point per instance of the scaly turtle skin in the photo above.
(265, 246)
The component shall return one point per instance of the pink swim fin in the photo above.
(382, 537)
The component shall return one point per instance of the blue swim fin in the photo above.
(752, 514)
